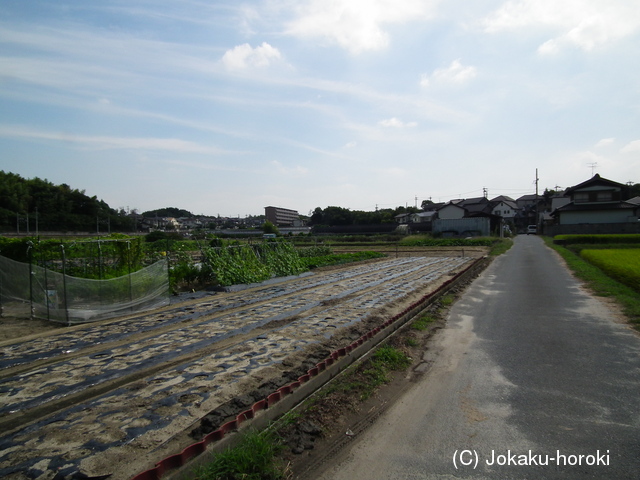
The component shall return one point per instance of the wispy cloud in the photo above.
(97, 142)
(631, 147)
(604, 142)
(396, 123)
(454, 74)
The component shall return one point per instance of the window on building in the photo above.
(605, 196)
(580, 197)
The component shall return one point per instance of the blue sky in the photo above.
(225, 107)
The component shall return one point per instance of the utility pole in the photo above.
(537, 179)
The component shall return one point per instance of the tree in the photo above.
(269, 227)
(426, 204)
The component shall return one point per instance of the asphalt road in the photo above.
(532, 378)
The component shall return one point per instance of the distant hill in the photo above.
(168, 212)
(56, 207)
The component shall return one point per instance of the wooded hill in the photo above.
(56, 207)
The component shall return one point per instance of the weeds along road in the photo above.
(531, 378)
(115, 397)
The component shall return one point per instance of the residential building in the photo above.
(505, 207)
(597, 205)
(282, 216)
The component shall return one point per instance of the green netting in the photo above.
(62, 298)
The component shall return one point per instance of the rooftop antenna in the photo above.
(593, 166)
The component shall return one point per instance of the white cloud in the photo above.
(456, 73)
(604, 142)
(631, 147)
(356, 25)
(296, 171)
(586, 24)
(244, 56)
(396, 123)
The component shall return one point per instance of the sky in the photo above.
(224, 107)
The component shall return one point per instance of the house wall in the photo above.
(598, 216)
(505, 211)
(450, 212)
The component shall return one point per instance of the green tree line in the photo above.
(56, 207)
(337, 216)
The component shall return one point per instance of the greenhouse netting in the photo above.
(31, 291)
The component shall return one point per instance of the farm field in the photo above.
(114, 397)
(621, 264)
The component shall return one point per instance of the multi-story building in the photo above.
(282, 216)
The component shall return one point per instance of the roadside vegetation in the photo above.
(254, 458)
(608, 264)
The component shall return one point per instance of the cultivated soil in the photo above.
(110, 399)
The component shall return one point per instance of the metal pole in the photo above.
(30, 252)
(64, 284)
(1, 306)
(46, 285)
(168, 265)
(129, 266)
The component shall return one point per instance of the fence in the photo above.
(31, 291)
(478, 226)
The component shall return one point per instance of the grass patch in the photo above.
(411, 342)
(375, 372)
(423, 322)
(500, 246)
(601, 284)
(447, 300)
(362, 380)
(254, 458)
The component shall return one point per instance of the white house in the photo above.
(504, 207)
(451, 211)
